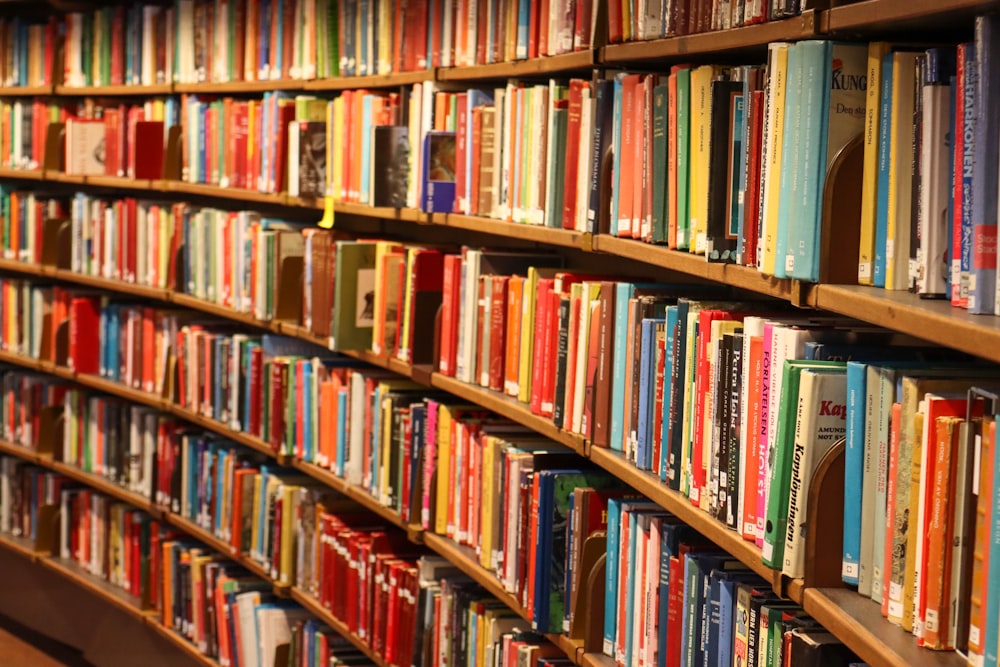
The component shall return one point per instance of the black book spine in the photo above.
(562, 353)
(733, 465)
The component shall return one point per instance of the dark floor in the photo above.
(23, 647)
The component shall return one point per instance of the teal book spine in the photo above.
(611, 576)
(616, 142)
(659, 182)
(683, 157)
(622, 295)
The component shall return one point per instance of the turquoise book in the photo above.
(832, 107)
(882, 194)
(623, 292)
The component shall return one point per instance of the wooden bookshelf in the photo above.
(597, 660)
(548, 236)
(466, 560)
(21, 174)
(548, 66)
(874, 16)
(322, 613)
(858, 622)
(708, 45)
(372, 81)
(25, 91)
(126, 90)
(75, 574)
(238, 87)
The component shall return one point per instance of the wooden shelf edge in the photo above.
(372, 81)
(597, 660)
(563, 63)
(650, 486)
(125, 90)
(870, 15)
(237, 87)
(26, 91)
(322, 613)
(510, 408)
(858, 622)
(564, 238)
(21, 174)
(707, 43)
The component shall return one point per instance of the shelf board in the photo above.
(372, 81)
(381, 212)
(510, 408)
(522, 232)
(870, 16)
(116, 91)
(237, 87)
(322, 613)
(22, 546)
(741, 277)
(182, 643)
(25, 91)
(21, 174)
(62, 177)
(218, 192)
(705, 44)
(561, 64)
(597, 660)
(105, 590)
(650, 486)
(355, 493)
(121, 183)
(858, 622)
(933, 320)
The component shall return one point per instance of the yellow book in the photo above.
(897, 243)
(289, 502)
(626, 21)
(406, 298)
(443, 470)
(384, 470)
(382, 248)
(253, 109)
(701, 111)
(777, 60)
(869, 183)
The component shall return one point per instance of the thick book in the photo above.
(438, 172)
(354, 296)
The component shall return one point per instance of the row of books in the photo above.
(929, 196)
(23, 138)
(219, 607)
(672, 598)
(194, 41)
(24, 58)
(651, 20)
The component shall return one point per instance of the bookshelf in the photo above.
(852, 619)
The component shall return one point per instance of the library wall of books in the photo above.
(501, 333)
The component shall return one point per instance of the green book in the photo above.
(659, 182)
(354, 296)
(683, 157)
(557, 167)
(773, 551)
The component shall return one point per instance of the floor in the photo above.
(22, 647)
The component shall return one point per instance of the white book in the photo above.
(582, 192)
(352, 471)
(540, 134)
(587, 305)
(499, 136)
(468, 317)
(820, 423)
(932, 263)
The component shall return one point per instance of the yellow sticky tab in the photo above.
(327, 221)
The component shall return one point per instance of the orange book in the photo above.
(937, 573)
(532, 540)
(515, 299)
(981, 547)
(495, 365)
(890, 495)
(168, 585)
(329, 414)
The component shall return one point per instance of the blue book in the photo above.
(630, 592)
(342, 444)
(223, 456)
(982, 281)
(308, 446)
(523, 19)
(604, 116)
(568, 578)
(366, 144)
(646, 352)
(616, 437)
(791, 150)
(615, 507)
(884, 156)
(665, 463)
(438, 173)
(418, 418)
(950, 276)
(675, 416)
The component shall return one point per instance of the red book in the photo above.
(576, 87)
(573, 340)
(256, 384)
(614, 22)
(472, 203)
(702, 383)
(148, 150)
(84, 335)
(542, 303)
(451, 289)
(582, 37)
(498, 312)
(658, 401)
(480, 373)
(549, 343)
(752, 194)
(534, 19)
(132, 220)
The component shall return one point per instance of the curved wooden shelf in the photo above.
(21, 174)
(742, 277)
(322, 613)
(561, 64)
(650, 486)
(858, 622)
(747, 38)
(870, 16)
(372, 81)
(25, 91)
(465, 559)
(933, 320)
(510, 408)
(116, 91)
(564, 238)
(237, 87)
